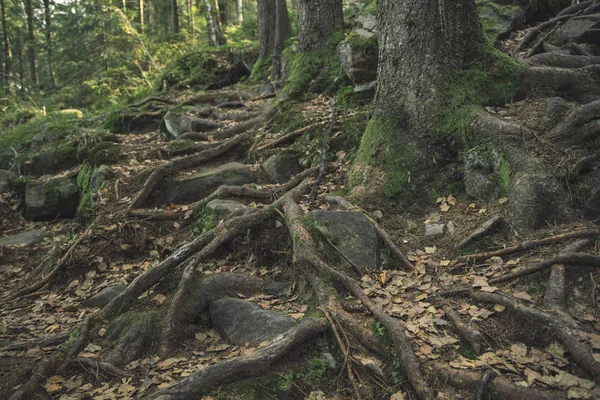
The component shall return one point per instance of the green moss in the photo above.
(496, 18)
(51, 193)
(381, 147)
(261, 68)
(104, 153)
(205, 222)
(84, 209)
(313, 72)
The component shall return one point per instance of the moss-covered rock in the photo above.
(51, 199)
(499, 20)
(357, 56)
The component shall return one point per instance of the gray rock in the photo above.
(51, 199)
(581, 29)
(265, 89)
(329, 361)
(24, 238)
(99, 176)
(506, 18)
(281, 167)
(433, 230)
(178, 124)
(353, 234)
(5, 178)
(479, 185)
(359, 64)
(105, 296)
(241, 321)
(201, 184)
(368, 22)
(223, 208)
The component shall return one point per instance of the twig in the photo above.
(488, 376)
(538, 46)
(470, 334)
(324, 147)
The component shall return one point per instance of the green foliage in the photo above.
(314, 373)
(84, 209)
(505, 173)
(381, 147)
(495, 18)
(205, 222)
(261, 68)
(381, 332)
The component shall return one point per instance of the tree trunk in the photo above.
(223, 13)
(215, 36)
(49, 43)
(266, 27)
(420, 43)
(175, 13)
(142, 16)
(6, 49)
(283, 30)
(317, 19)
(31, 42)
(240, 11)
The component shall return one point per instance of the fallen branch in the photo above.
(528, 245)
(534, 32)
(481, 231)
(346, 205)
(288, 137)
(487, 377)
(468, 333)
(101, 366)
(578, 351)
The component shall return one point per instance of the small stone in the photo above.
(281, 167)
(24, 238)
(5, 178)
(329, 361)
(377, 215)
(450, 227)
(432, 230)
(105, 296)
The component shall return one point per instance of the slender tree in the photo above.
(6, 48)
(175, 15)
(240, 11)
(31, 42)
(317, 19)
(215, 36)
(142, 16)
(283, 30)
(49, 43)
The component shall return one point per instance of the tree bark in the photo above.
(6, 49)
(240, 11)
(31, 42)
(142, 16)
(223, 13)
(317, 19)
(266, 26)
(215, 36)
(420, 43)
(283, 30)
(175, 16)
(49, 43)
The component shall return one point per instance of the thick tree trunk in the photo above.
(266, 26)
(283, 30)
(31, 42)
(6, 49)
(175, 16)
(215, 36)
(317, 19)
(49, 43)
(420, 43)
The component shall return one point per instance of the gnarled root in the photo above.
(569, 131)
(471, 335)
(573, 84)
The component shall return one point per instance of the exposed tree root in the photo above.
(564, 60)
(254, 364)
(195, 136)
(559, 326)
(571, 258)
(306, 257)
(288, 137)
(530, 244)
(472, 336)
(346, 205)
(180, 164)
(485, 380)
(567, 131)
(151, 99)
(573, 8)
(246, 126)
(194, 148)
(533, 33)
(573, 84)
(96, 366)
(135, 343)
(499, 388)
(51, 341)
(324, 147)
(481, 231)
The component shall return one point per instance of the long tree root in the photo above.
(307, 259)
(528, 245)
(499, 388)
(559, 326)
(564, 132)
(246, 126)
(533, 33)
(324, 147)
(383, 235)
(180, 164)
(471, 335)
(561, 60)
(254, 364)
(573, 84)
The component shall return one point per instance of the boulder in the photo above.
(178, 124)
(24, 238)
(197, 186)
(241, 321)
(353, 234)
(358, 59)
(105, 296)
(479, 185)
(581, 29)
(51, 199)
(500, 20)
(5, 178)
(223, 208)
(281, 167)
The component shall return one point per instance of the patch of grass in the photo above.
(205, 222)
